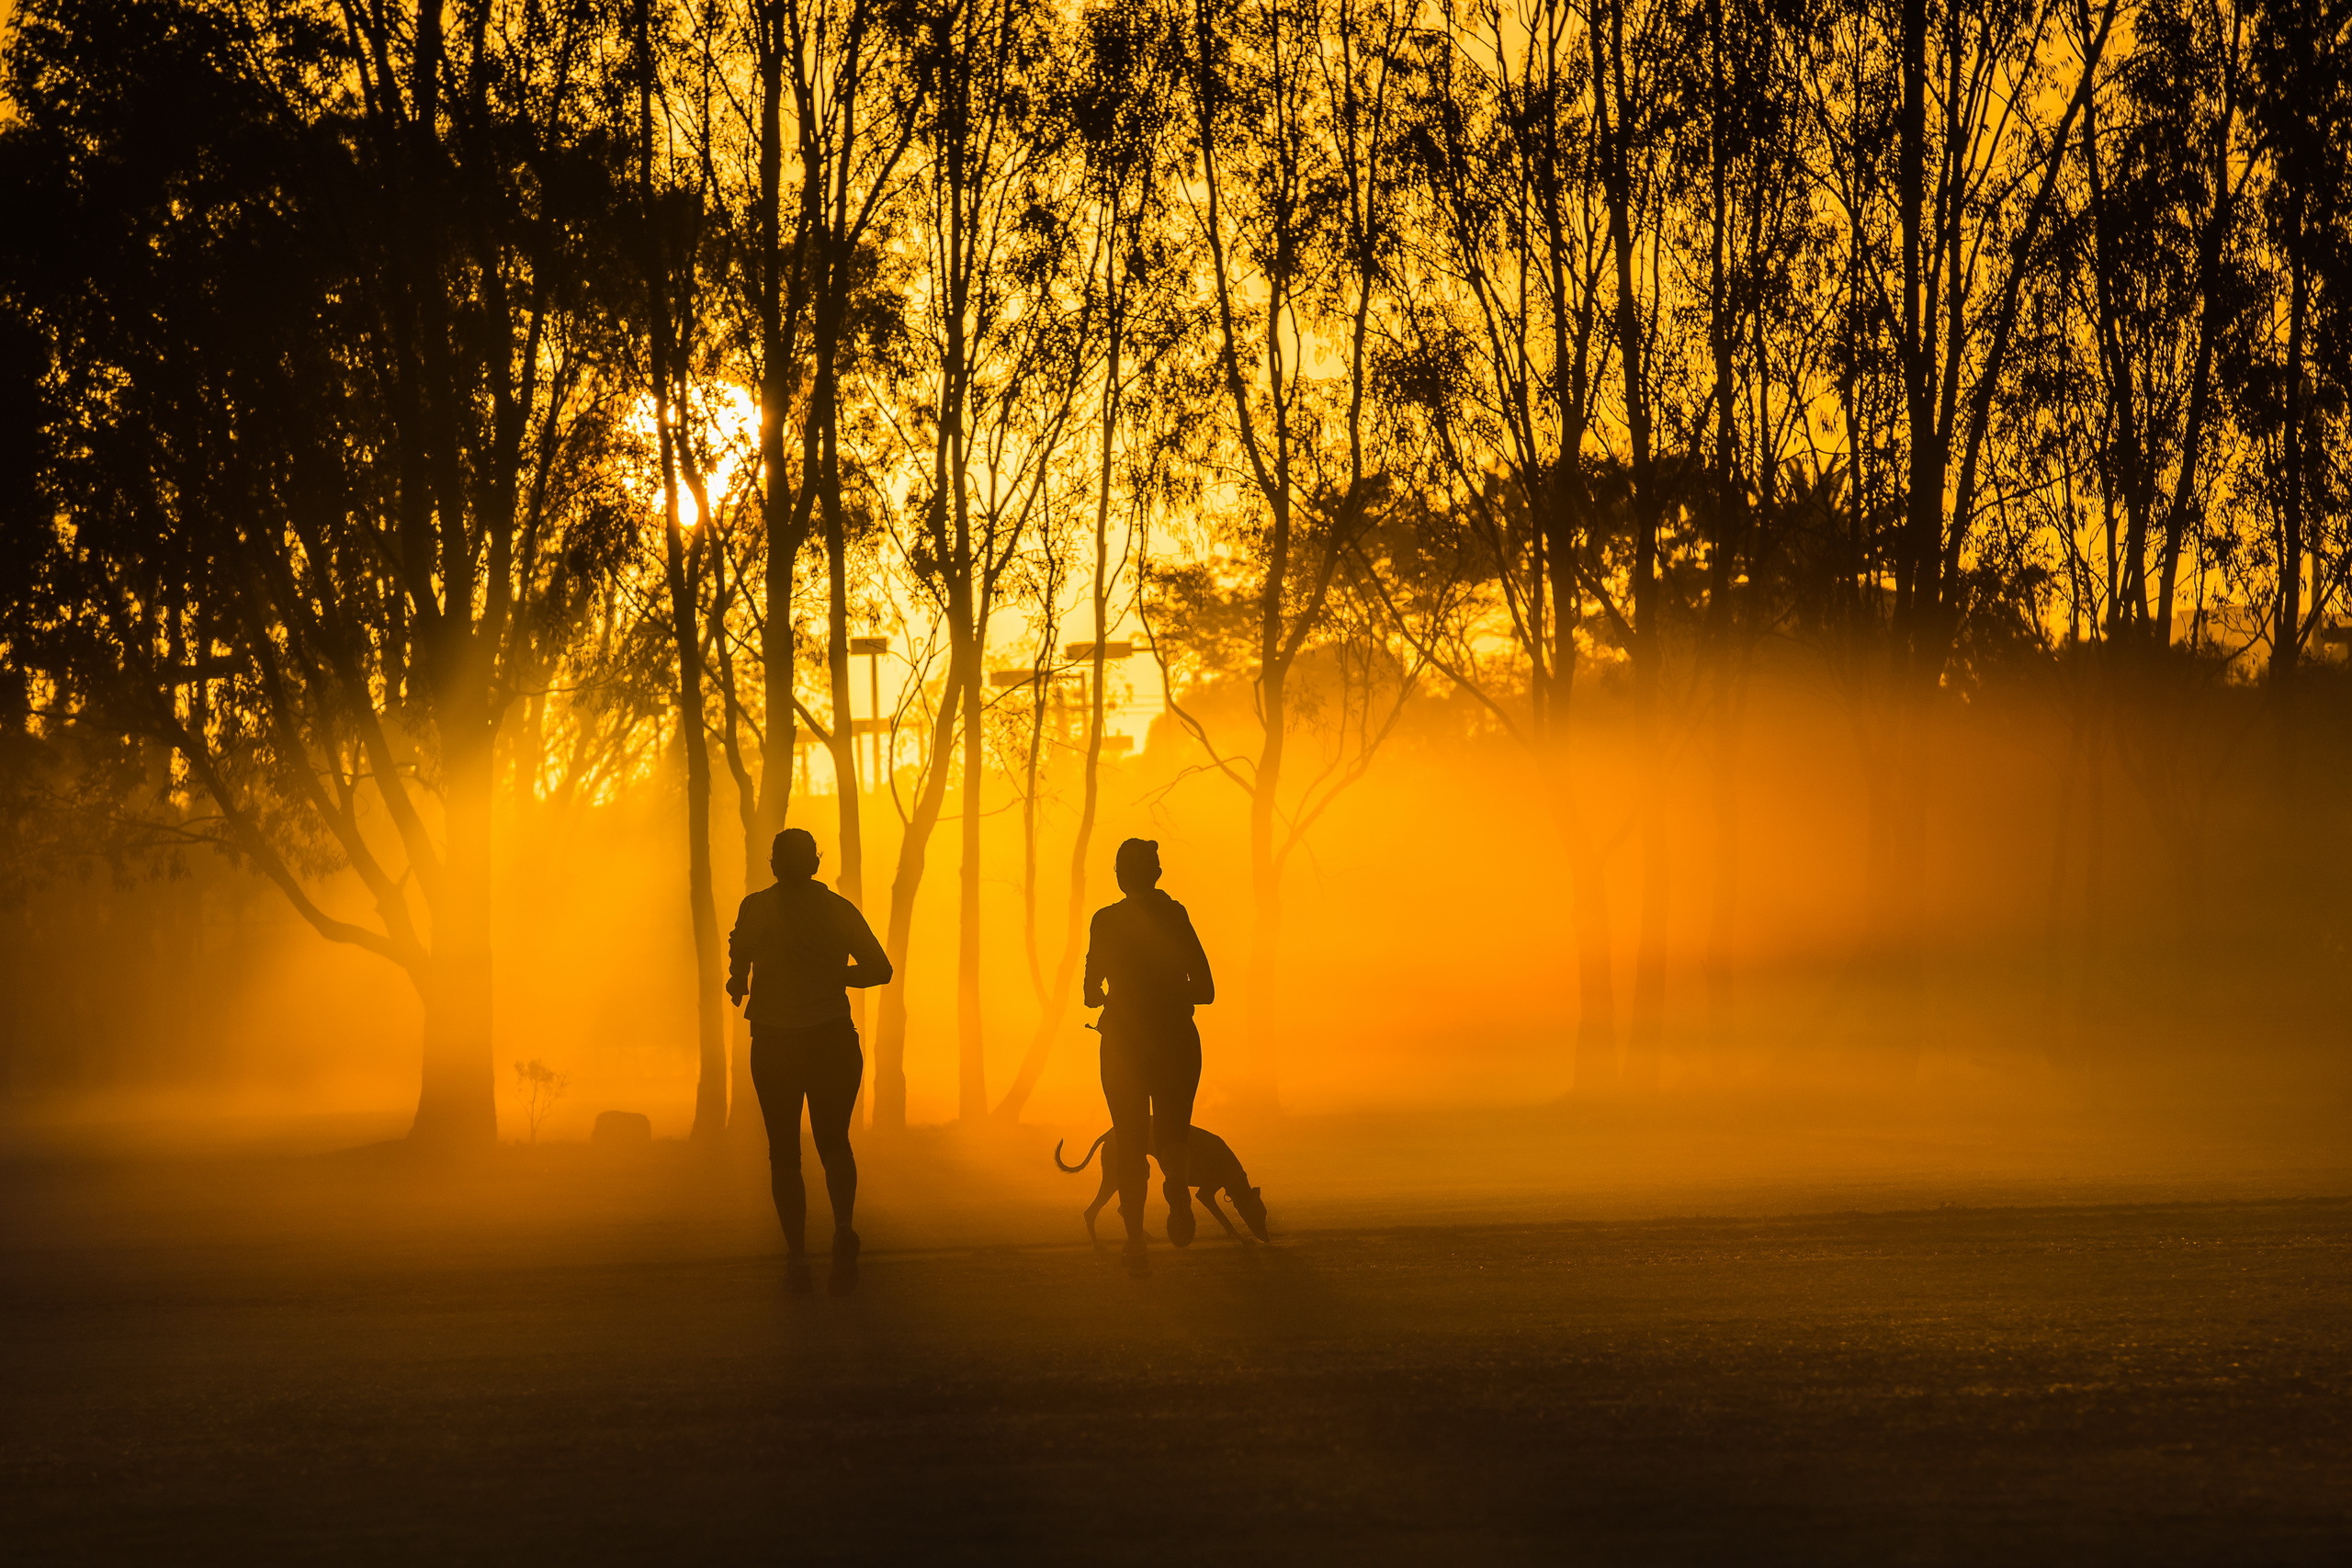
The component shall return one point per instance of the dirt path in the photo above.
(2148, 1384)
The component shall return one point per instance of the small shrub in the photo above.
(542, 1086)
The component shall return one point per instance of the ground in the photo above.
(566, 1356)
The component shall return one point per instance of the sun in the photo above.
(717, 425)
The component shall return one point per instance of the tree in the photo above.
(1943, 274)
(854, 118)
(1120, 103)
(671, 219)
(1294, 137)
(1500, 357)
(2303, 121)
(306, 449)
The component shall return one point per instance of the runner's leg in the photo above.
(1175, 1083)
(836, 1066)
(776, 1078)
(1126, 1089)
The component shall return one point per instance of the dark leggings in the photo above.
(823, 1066)
(1149, 1076)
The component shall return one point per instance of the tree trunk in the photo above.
(1645, 1045)
(2058, 937)
(848, 788)
(1648, 642)
(1596, 1047)
(782, 513)
(1723, 914)
(2219, 224)
(783, 518)
(1057, 1000)
(890, 1042)
(1266, 898)
(1897, 886)
(710, 1086)
(2287, 636)
(1595, 1060)
(1715, 965)
(457, 1103)
(842, 745)
(972, 1061)
(710, 1010)
(1898, 826)
(2090, 985)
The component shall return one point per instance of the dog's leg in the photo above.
(1208, 1196)
(1110, 1186)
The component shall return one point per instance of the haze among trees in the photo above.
(428, 424)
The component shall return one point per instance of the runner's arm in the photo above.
(738, 956)
(1196, 965)
(1094, 962)
(869, 965)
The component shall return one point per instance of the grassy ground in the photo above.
(565, 1357)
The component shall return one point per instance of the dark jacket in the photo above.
(1144, 952)
(793, 943)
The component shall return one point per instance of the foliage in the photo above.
(1530, 353)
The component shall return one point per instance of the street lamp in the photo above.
(1083, 653)
(871, 648)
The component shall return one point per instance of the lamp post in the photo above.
(872, 649)
(1083, 653)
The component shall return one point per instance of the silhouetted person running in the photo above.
(793, 948)
(1144, 953)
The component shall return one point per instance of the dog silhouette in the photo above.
(1214, 1169)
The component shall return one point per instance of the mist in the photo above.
(1426, 950)
(1727, 627)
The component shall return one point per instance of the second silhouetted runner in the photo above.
(793, 948)
(1145, 969)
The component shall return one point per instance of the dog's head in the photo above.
(1252, 1210)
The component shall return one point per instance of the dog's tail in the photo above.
(1082, 1164)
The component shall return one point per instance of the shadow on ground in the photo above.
(558, 1356)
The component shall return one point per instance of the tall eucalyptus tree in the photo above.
(311, 452)
(1294, 135)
